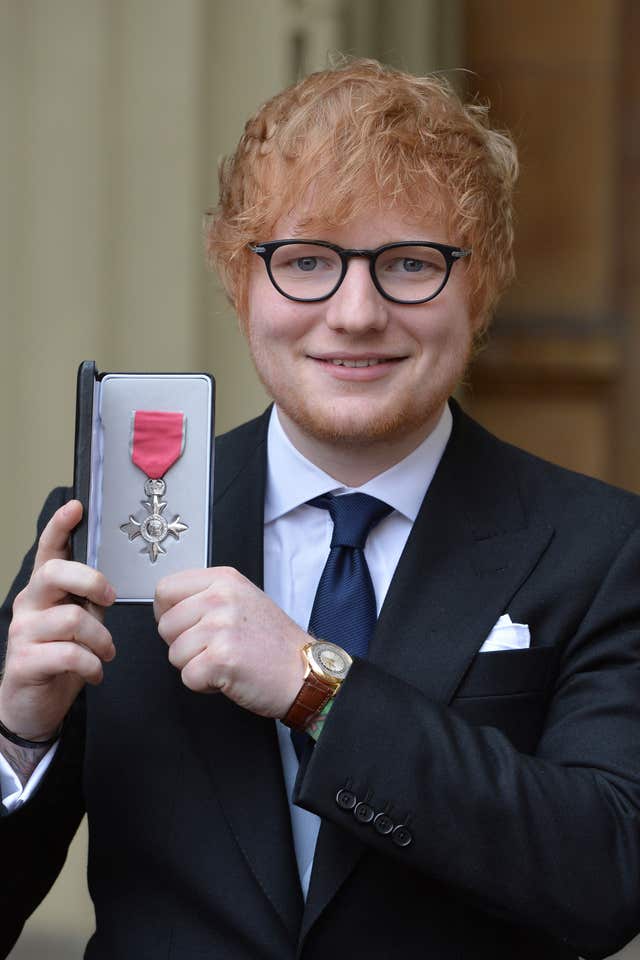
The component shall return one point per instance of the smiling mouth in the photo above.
(357, 363)
(364, 362)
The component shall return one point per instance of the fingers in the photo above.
(197, 676)
(54, 540)
(55, 645)
(180, 618)
(188, 645)
(43, 662)
(173, 589)
(56, 578)
(69, 623)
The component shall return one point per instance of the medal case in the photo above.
(137, 528)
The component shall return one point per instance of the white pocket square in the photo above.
(507, 635)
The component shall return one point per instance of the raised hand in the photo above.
(56, 643)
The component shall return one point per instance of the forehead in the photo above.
(371, 227)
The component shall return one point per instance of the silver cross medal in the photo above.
(155, 528)
(157, 441)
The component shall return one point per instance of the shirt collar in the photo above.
(293, 480)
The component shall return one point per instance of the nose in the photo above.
(356, 306)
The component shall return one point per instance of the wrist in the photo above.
(326, 666)
(40, 744)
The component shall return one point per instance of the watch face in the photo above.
(330, 659)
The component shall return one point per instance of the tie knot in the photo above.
(354, 515)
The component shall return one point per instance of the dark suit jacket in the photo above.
(516, 775)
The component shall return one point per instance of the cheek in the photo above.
(274, 321)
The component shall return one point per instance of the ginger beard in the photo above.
(356, 420)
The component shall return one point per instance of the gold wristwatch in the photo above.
(326, 666)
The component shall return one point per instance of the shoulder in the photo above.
(543, 487)
(244, 437)
(239, 448)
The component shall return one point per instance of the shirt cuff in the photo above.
(11, 790)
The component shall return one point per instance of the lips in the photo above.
(357, 363)
(353, 361)
(356, 369)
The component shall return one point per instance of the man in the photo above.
(474, 787)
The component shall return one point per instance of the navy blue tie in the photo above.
(344, 609)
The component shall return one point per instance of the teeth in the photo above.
(356, 363)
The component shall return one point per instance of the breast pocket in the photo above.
(508, 689)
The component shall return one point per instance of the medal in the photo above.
(157, 441)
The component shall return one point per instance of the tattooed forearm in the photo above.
(22, 760)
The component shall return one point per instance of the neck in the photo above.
(353, 464)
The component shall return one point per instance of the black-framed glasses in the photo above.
(307, 271)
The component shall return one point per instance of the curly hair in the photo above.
(363, 135)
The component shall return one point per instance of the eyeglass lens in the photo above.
(409, 273)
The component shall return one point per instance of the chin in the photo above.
(341, 427)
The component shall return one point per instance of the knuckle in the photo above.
(20, 631)
(50, 571)
(228, 575)
(222, 657)
(212, 599)
(95, 674)
(72, 618)
(213, 619)
(16, 630)
(189, 679)
(20, 599)
(69, 657)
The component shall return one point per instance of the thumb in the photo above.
(54, 540)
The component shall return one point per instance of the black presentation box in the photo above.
(137, 528)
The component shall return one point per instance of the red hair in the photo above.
(362, 135)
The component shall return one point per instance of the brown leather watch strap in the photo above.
(312, 696)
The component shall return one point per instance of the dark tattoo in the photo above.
(22, 760)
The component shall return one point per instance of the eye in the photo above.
(298, 259)
(400, 265)
(306, 263)
(413, 266)
(404, 263)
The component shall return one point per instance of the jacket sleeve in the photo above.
(549, 839)
(34, 840)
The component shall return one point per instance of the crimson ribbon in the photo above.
(158, 437)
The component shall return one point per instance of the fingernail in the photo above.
(109, 595)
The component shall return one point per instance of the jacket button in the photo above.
(363, 812)
(345, 799)
(401, 836)
(383, 824)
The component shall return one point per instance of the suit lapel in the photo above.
(468, 553)
(238, 749)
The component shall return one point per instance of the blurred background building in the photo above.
(113, 116)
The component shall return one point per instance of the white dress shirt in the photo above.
(296, 546)
(297, 538)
